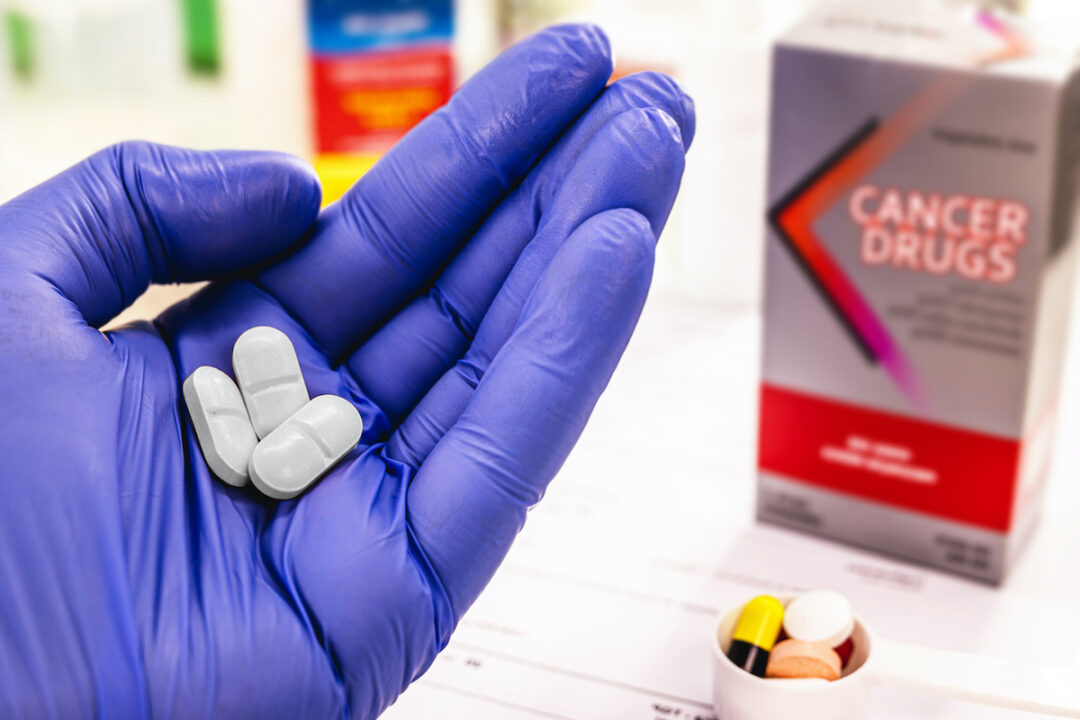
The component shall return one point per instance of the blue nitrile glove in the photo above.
(471, 295)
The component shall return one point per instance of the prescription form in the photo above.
(605, 605)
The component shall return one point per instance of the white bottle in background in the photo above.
(476, 37)
(261, 99)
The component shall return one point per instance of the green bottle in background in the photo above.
(202, 36)
(20, 40)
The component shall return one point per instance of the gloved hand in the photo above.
(471, 295)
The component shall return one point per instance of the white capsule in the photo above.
(300, 451)
(221, 423)
(269, 377)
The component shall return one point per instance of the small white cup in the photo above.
(738, 695)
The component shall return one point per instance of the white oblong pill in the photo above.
(269, 377)
(821, 616)
(300, 451)
(221, 423)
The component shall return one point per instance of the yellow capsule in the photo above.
(756, 633)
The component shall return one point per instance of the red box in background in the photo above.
(378, 67)
(366, 102)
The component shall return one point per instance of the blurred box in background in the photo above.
(923, 192)
(378, 67)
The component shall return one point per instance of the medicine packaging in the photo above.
(922, 183)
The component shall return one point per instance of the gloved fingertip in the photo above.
(687, 116)
(664, 123)
(656, 89)
(631, 223)
(264, 201)
(656, 136)
(638, 157)
(585, 42)
(646, 124)
(599, 279)
(302, 183)
(627, 238)
(286, 186)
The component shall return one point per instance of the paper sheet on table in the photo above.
(604, 607)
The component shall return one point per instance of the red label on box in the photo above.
(882, 457)
(365, 102)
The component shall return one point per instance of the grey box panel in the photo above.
(819, 99)
(956, 547)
